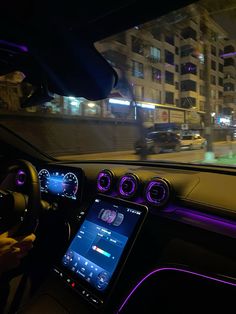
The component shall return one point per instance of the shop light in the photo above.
(147, 106)
(91, 105)
(74, 103)
(119, 101)
(225, 120)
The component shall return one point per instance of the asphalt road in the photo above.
(198, 155)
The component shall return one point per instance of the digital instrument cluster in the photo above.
(60, 182)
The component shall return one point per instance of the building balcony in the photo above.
(189, 58)
(229, 49)
(229, 79)
(192, 77)
(229, 99)
(169, 88)
(230, 68)
(193, 24)
(230, 104)
(229, 93)
(188, 41)
(201, 97)
(184, 94)
(169, 47)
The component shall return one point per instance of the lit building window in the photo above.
(156, 75)
(137, 69)
(201, 58)
(92, 109)
(155, 54)
(188, 68)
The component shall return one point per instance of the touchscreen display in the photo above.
(98, 245)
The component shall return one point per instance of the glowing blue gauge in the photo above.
(70, 185)
(44, 178)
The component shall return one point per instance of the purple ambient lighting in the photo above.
(158, 270)
(104, 182)
(131, 185)
(162, 191)
(208, 222)
(13, 45)
(20, 178)
(230, 54)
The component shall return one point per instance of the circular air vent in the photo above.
(128, 185)
(104, 181)
(157, 192)
(20, 178)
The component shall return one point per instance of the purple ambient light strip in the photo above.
(230, 54)
(171, 269)
(207, 221)
(13, 45)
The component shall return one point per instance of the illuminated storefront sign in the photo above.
(224, 120)
(119, 101)
(162, 116)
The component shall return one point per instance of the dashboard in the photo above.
(135, 221)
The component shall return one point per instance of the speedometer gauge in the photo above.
(44, 178)
(70, 185)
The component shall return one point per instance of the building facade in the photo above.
(166, 66)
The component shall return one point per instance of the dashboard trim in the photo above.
(174, 269)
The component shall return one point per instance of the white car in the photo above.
(193, 141)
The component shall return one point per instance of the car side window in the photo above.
(173, 137)
(162, 137)
(151, 136)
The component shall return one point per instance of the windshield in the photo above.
(176, 74)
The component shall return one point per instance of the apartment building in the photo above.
(229, 78)
(170, 65)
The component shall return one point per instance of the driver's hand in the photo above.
(12, 249)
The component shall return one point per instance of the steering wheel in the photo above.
(17, 208)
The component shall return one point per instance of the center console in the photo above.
(94, 259)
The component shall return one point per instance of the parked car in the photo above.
(193, 141)
(158, 141)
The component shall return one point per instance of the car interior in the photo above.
(112, 236)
